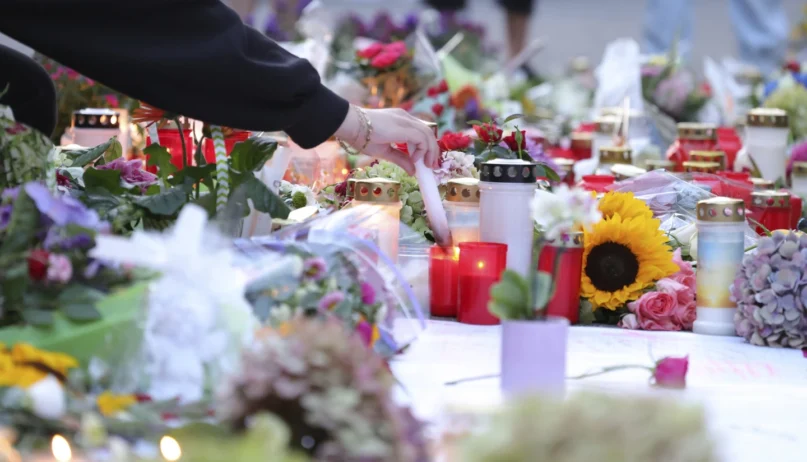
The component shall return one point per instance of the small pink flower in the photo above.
(314, 268)
(59, 268)
(371, 51)
(685, 312)
(330, 301)
(685, 274)
(112, 100)
(365, 331)
(398, 48)
(16, 129)
(367, 294)
(654, 311)
(671, 372)
(89, 81)
(71, 74)
(384, 59)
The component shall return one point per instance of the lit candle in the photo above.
(61, 449)
(169, 448)
(443, 280)
(462, 209)
(480, 267)
(381, 194)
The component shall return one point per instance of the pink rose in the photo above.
(131, 172)
(685, 313)
(112, 100)
(384, 59)
(685, 274)
(629, 321)
(371, 51)
(671, 372)
(397, 48)
(654, 311)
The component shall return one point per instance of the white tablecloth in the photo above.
(755, 398)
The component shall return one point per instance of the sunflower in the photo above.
(624, 204)
(621, 258)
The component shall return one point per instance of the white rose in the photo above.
(47, 398)
(693, 247)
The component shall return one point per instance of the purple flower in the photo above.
(472, 109)
(9, 194)
(367, 294)
(315, 268)
(59, 268)
(92, 269)
(131, 172)
(62, 210)
(365, 331)
(5, 215)
(331, 301)
(56, 240)
(411, 22)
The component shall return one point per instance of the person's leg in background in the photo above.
(761, 27)
(665, 21)
(519, 13)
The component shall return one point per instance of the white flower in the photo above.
(288, 190)
(454, 164)
(59, 268)
(47, 399)
(683, 234)
(566, 209)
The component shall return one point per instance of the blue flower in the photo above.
(770, 87)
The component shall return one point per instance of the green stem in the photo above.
(182, 140)
(606, 370)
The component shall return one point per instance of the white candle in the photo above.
(766, 135)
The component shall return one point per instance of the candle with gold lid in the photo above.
(766, 135)
(566, 167)
(605, 130)
(351, 187)
(709, 156)
(382, 194)
(701, 167)
(613, 155)
(462, 209)
(581, 144)
(771, 209)
(655, 164)
(761, 184)
(720, 249)
(798, 179)
(691, 137)
(625, 171)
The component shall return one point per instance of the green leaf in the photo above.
(77, 302)
(84, 157)
(480, 145)
(109, 180)
(542, 289)
(503, 153)
(115, 150)
(199, 155)
(37, 317)
(264, 200)
(160, 157)
(551, 174)
(474, 122)
(251, 155)
(207, 202)
(81, 312)
(165, 203)
(22, 226)
(513, 117)
(195, 173)
(510, 297)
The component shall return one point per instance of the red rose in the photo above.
(371, 51)
(438, 89)
(671, 372)
(397, 48)
(406, 105)
(433, 92)
(793, 66)
(437, 109)
(340, 189)
(38, 264)
(384, 59)
(443, 86)
(454, 142)
(488, 133)
(511, 142)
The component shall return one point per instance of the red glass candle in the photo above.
(229, 144)
(566, 172)
(597, 183)
(568, 252)
(171, 141)
(581, 145)
(480, 267)
(691, 137)
(729, 142)
(771, 209)
(795, 210)
(737, 185)
(443, 281)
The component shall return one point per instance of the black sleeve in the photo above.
(192, 57)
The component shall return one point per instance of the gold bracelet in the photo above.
(368, 127)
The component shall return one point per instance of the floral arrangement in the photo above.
(44, 263)
(628, 429)
(381, 28)
(625, 255)
(770, 292)
(387, 72)
(296, 196)
(674, 90)
(790, 94)
(75, 91)
(333, 393)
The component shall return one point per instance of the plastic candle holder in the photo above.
(229, 144)
(771, 209)
(567, 251)
(766, 135)
(709, 156)
(383, 195)
(462, 209)
(443, 281)
(171, 141)
(480, 267)
(605, 129)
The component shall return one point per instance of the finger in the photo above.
(418, 144)
(387, 152)
(430, 150)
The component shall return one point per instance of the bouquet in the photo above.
(387, 72)
(674, 90)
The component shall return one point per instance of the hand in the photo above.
(391, 126)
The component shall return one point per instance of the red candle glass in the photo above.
(581, 145)
(729, 142)
(597, 183)
(771, 209)
(795, 210)
(443, 281)
(568, 251)
(691, 137)
(737, 185)
(229, 144)
(171, 141)
(480, 267)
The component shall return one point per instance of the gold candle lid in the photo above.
(376, 190)
(615, 155)
(696, 131)
(721, 210)
(770, 199)
(767, 117)
(625, 171)
(566, 165)
(351, 187)
(463, 190)
(709, 156)
(701, 167)
(606, 124)
(568, 240)
(581, 140)
(761, 184)
(652, 164)
(799, 168)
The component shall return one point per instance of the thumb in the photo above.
(387, 152)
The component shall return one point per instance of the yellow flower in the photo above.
(621, 258)
(376, 335)
(625, 205)
(25, 354)
(110, 403)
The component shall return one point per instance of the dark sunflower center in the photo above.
(611, 266)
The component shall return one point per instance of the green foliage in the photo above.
(161, 158)
(87, 156)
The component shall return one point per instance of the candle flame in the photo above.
(456, 253)
(480, 264)
(345, 171)
(169, 448)
(61, 449)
